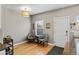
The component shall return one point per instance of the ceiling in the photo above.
(37, 8)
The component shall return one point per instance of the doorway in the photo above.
(61, 30)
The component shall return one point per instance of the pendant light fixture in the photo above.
(25, 13)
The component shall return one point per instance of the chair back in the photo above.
(31, 36)
(44, 37)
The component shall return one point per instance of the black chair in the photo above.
(43, 39)
(32, 38)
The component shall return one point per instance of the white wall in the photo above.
(0, 16)
(48, 17)
(14, 24)
(1, 34)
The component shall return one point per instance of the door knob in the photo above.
(66, 32)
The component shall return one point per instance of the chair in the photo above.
(32, 37)
(43, 39)
(8, 44)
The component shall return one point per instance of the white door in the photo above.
(61, 30)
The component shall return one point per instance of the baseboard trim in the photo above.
(19, 43)
(50, 44)
(15, 45)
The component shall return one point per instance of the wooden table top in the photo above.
(1, 47)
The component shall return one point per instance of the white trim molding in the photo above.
(50, 44)
(19, 43)
(15, 45)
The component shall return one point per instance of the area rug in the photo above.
(56, 51)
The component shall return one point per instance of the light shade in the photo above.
(25, 13)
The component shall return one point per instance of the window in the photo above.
(77, 22)
(39, 27)
(77, 19)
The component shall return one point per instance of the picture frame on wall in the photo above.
(47, 25)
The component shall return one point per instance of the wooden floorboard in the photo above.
(32, 49)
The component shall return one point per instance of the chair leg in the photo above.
(40, 42)
(43, 44)
(46, 43)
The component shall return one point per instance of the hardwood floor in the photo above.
(70, 47)
(32, 49)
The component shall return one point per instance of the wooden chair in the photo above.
(8, 44)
